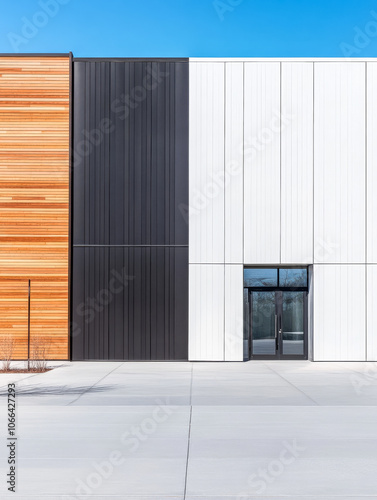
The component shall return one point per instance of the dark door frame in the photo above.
(278, 324)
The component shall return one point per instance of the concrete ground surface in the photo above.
(194, 431)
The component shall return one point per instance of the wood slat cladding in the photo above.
(14, 316)
(34, 201)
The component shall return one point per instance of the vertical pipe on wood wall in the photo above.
(28, 328)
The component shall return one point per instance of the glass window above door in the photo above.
(257, 277)
(293, 277)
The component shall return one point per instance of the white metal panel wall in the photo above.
(262, 163)
(236, 109)
(372, 312)
(372, 163)
(234, 163)
(234, 313)
(297, 163)
(339, 313)
(339, 168)
(206, 163)
(206, 312)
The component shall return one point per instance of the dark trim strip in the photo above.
(68, 54)
(277, 288)
(130, 246)
(131, 59)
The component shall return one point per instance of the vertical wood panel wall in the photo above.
(34, 201)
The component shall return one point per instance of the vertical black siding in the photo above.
(131, 303)
(130, 177)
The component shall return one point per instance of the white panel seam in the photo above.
(366, 210)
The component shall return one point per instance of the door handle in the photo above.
(276, 326)
(276, 333)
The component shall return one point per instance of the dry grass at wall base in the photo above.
(38, 349)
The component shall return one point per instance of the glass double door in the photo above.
(277, 324)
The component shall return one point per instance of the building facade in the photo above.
(34, 202)
(189, 209)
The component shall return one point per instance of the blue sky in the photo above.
(191, 28)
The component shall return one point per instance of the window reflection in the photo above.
(293, 278)
(263, 323)
(258, 277)
(293, 323)
(269, 277)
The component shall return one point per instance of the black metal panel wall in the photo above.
(131, 303)
(130, 180)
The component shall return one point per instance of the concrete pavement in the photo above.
(195, 431)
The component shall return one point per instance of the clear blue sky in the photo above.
(191, 28)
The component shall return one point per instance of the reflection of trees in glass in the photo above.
(287, 278)
(257, 277)
(266, 282)
(263, 315)
(260, 277)
(293, 307)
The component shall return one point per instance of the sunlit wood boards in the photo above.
(34, 201)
